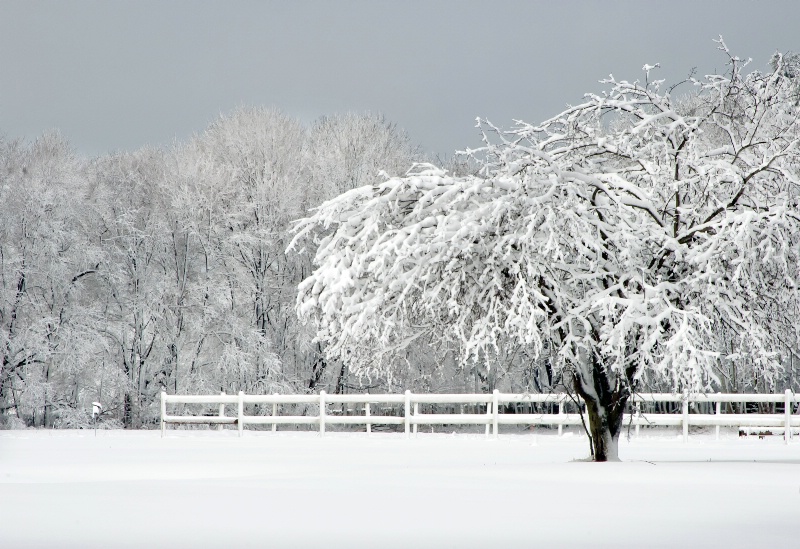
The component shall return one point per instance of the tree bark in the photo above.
(605, 425)
(605, 407)
(127, 411)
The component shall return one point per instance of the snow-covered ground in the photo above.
(62, 489)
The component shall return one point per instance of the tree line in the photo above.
(165, 267)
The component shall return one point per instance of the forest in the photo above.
(167, 268)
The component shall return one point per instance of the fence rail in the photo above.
(496, 414)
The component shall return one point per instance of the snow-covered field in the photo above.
(196, 489)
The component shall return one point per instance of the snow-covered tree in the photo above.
(45, 262)
(343, 152)
(239, 186)
(347, 151)
(133, 298)
(638, 236)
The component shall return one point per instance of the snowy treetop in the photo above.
(634, 234)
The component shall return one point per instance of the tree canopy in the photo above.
(644, 233)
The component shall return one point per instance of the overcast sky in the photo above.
(119, 75)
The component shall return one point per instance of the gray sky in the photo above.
(118, 75)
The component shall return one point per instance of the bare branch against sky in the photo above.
(118, 75)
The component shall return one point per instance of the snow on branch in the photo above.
(631, 233)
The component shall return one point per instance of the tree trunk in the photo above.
(47, 415)
(317, 369)
(605, 425)
(605, 410)
(127, 411)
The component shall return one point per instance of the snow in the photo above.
(213, 489)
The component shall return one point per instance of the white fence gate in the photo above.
(496, 414)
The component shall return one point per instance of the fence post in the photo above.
(718, 411)
(321, 413)
(240, 413)
(495, 411)
(787, 434)
(163, 412)
(685, 417)
(274, 413)
(488, 413)
(407, 409)
(366, 413)
(221, 410)
(561, 416)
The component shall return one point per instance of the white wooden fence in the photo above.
(494, 416)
